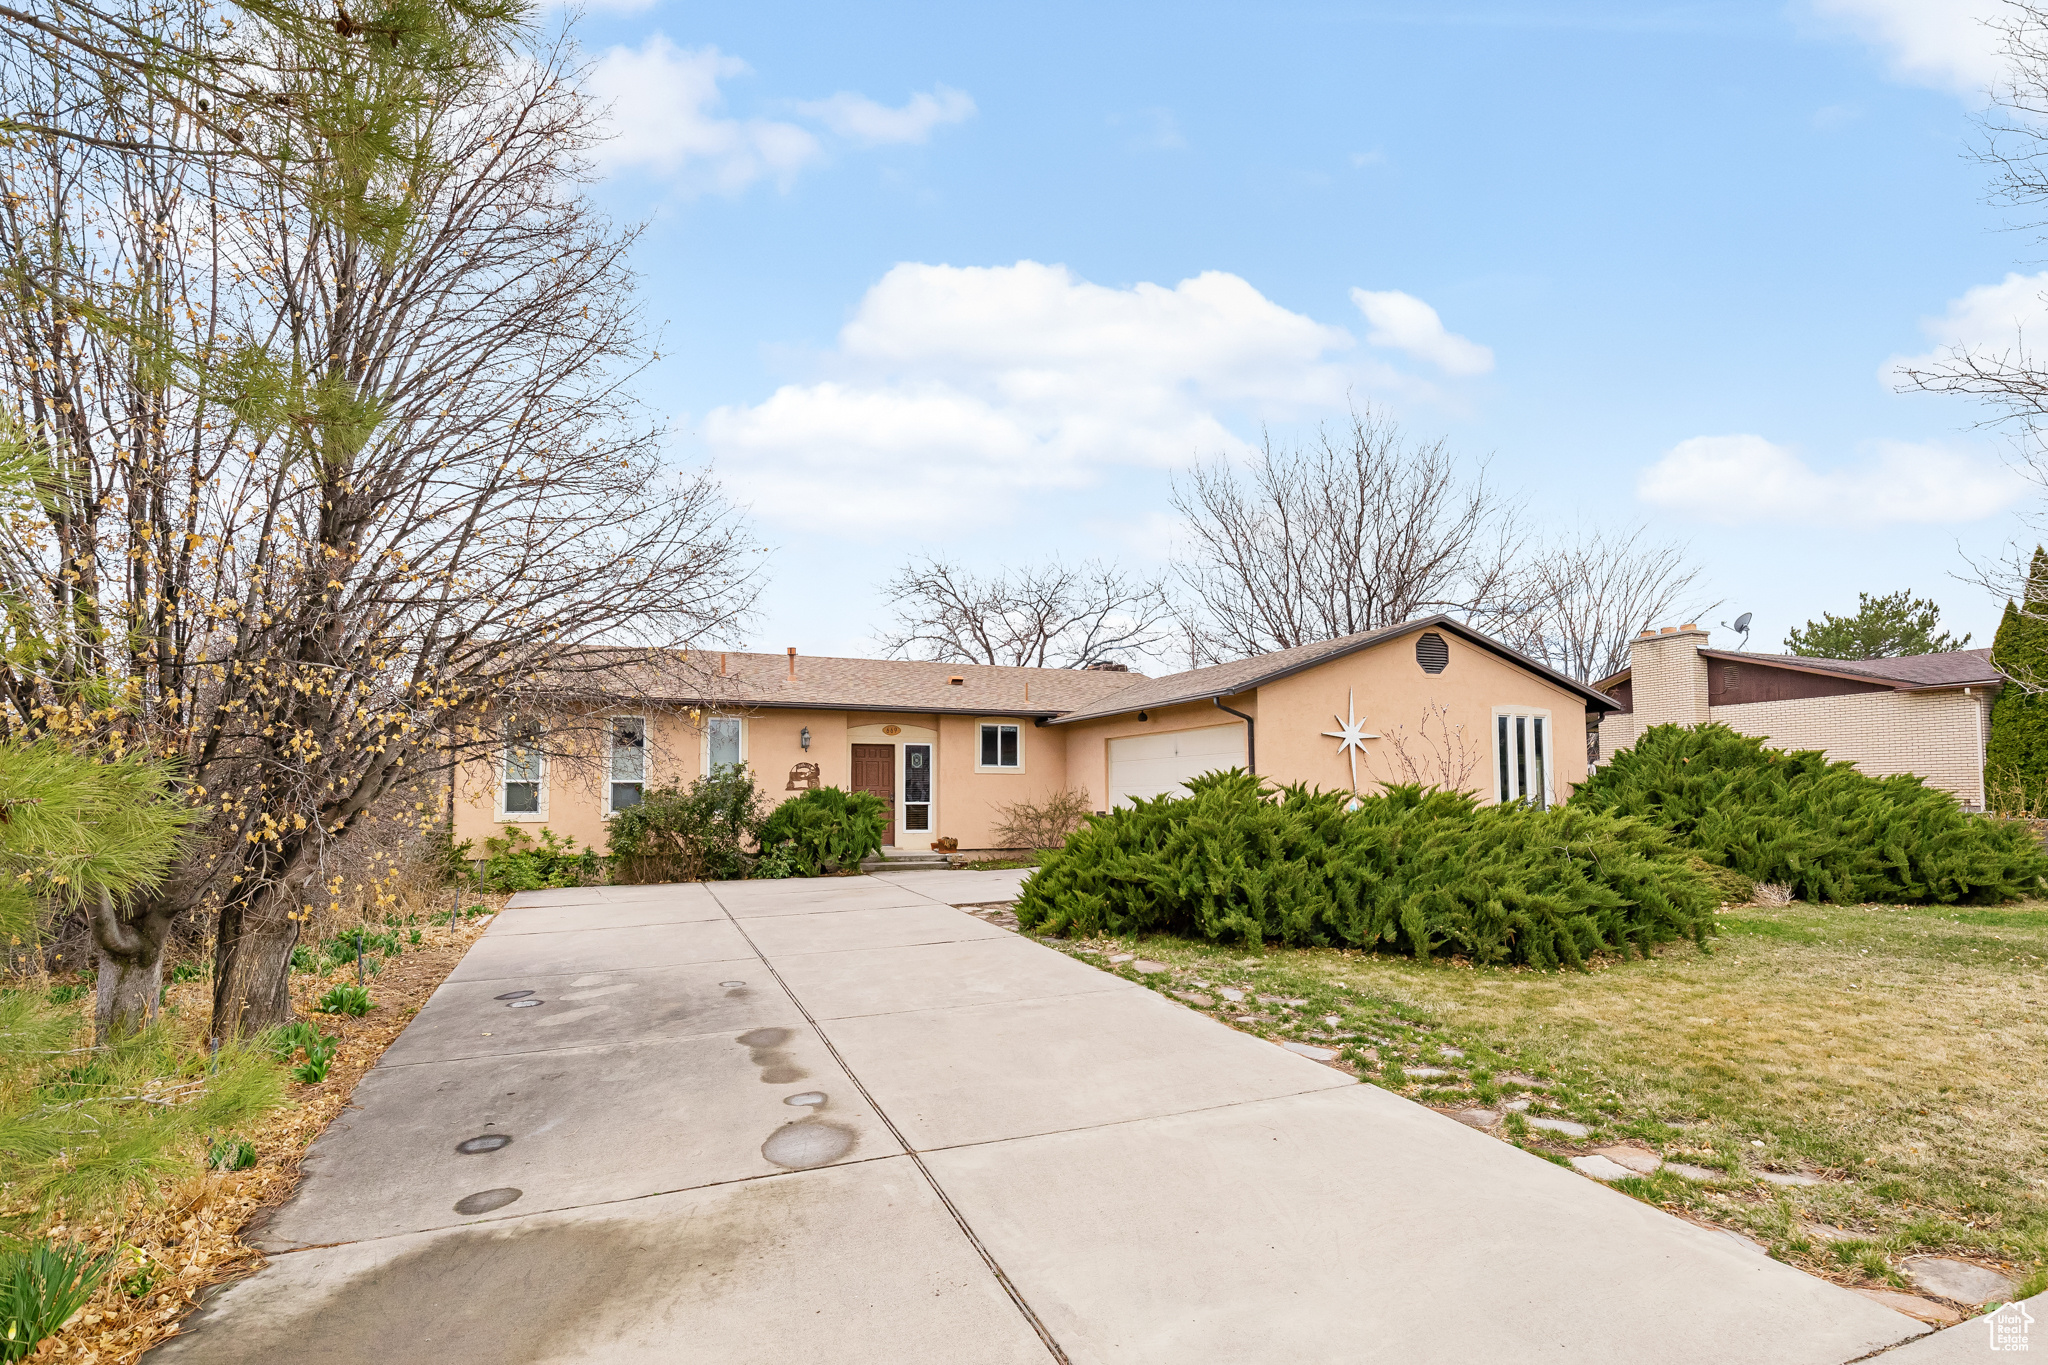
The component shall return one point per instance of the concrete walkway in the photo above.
(842, 1121)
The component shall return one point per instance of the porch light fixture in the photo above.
(803, 739)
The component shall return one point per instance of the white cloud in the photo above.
(1406, 323)
(1993, 318)
(954, 391)
(663, 101)
(860, 119)
(1742, 479)
(1940, 43)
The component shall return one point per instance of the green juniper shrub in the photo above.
(1415, 871)
(515, 861)
(823, 830)
(702, 832)
(1825, 829)
(41, 1286)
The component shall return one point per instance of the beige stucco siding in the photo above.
(1450, 746)
(1939, 735)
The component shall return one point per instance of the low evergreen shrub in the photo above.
(1826, 830)
(515, 861)
(1413, 871)
(702, 832)
(823, 830)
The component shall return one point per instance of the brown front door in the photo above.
(874, 770)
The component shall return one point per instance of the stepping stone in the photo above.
(1515, 1106)
(1271, 1000)
(1517, 1078)
(1148, 968)
(1320, 1054)
(1231, 993)
(1245, 1018)
(1452, 1052)
(1958, 1280)
(1821, 1232)
(1482, 1119)
(1565, 1126)
(1195, 998)
(1332, 1020)
(1789, 1178)
(1600, 1168)
(1927, 1310)
(1635, 1158)
(1425, 1071)
(1691, 1172)
(1121, 957)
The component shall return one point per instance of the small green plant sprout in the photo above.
(303, 959)
(353, 1001)
(41, 1286)
(319, 1048)
(137, 1283)
(200, 971)
(414, 938)
(231, 1154)
(64, 995)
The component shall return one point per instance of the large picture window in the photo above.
(525, 769)
(725, 743)
(1001, 747)
(1521, 757)
(628, 762)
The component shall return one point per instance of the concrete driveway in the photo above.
(842, 1121)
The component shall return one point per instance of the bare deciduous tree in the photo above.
(1436, 754)
(1052, 615)
(321, 458)
(1351, 533)
(1588, 593)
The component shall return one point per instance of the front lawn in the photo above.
(1900, 1054)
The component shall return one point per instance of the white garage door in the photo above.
(1145, 766)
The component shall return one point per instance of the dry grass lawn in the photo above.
(1900, 1054)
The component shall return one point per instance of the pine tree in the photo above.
(2016, 757)
(1882, 628)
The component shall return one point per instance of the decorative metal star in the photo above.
(1352, 737)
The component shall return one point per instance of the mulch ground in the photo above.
(192, 1239)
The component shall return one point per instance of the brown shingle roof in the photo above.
(1241, 675)
(1907, 672)
(692, 678)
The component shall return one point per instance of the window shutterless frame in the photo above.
(999, 748)
(522, 772)
(1524, 757)
(725, 742)
(626, 780)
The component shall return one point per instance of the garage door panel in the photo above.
(1145, 766)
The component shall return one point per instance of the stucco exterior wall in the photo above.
(1443, 721)
(969, 799)
(1939, 735)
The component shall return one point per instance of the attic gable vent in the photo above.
(1432, 653)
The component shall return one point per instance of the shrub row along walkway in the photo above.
(841, 1120)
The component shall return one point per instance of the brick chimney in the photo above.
(1668, 677)
(792, 664)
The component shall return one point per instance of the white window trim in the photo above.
(704, 748)
(981, 767)
(1549, 750)
(504, 816)
(646, 758)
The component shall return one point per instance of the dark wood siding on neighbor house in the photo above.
(1624, 692)
(1732, 684)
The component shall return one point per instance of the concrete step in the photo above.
(905, 862)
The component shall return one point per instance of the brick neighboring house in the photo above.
(1928, 714)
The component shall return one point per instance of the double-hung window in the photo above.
(524, 769)
(1001, 747)
(725, 743)
(1522, 757)
(628, 761)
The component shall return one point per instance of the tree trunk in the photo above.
(252, 967)
(131, 976)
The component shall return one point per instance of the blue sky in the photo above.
(976, 281)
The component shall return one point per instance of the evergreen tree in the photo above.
(1882, 628)
(2016, 757)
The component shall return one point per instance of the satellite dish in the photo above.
(1741, 627)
